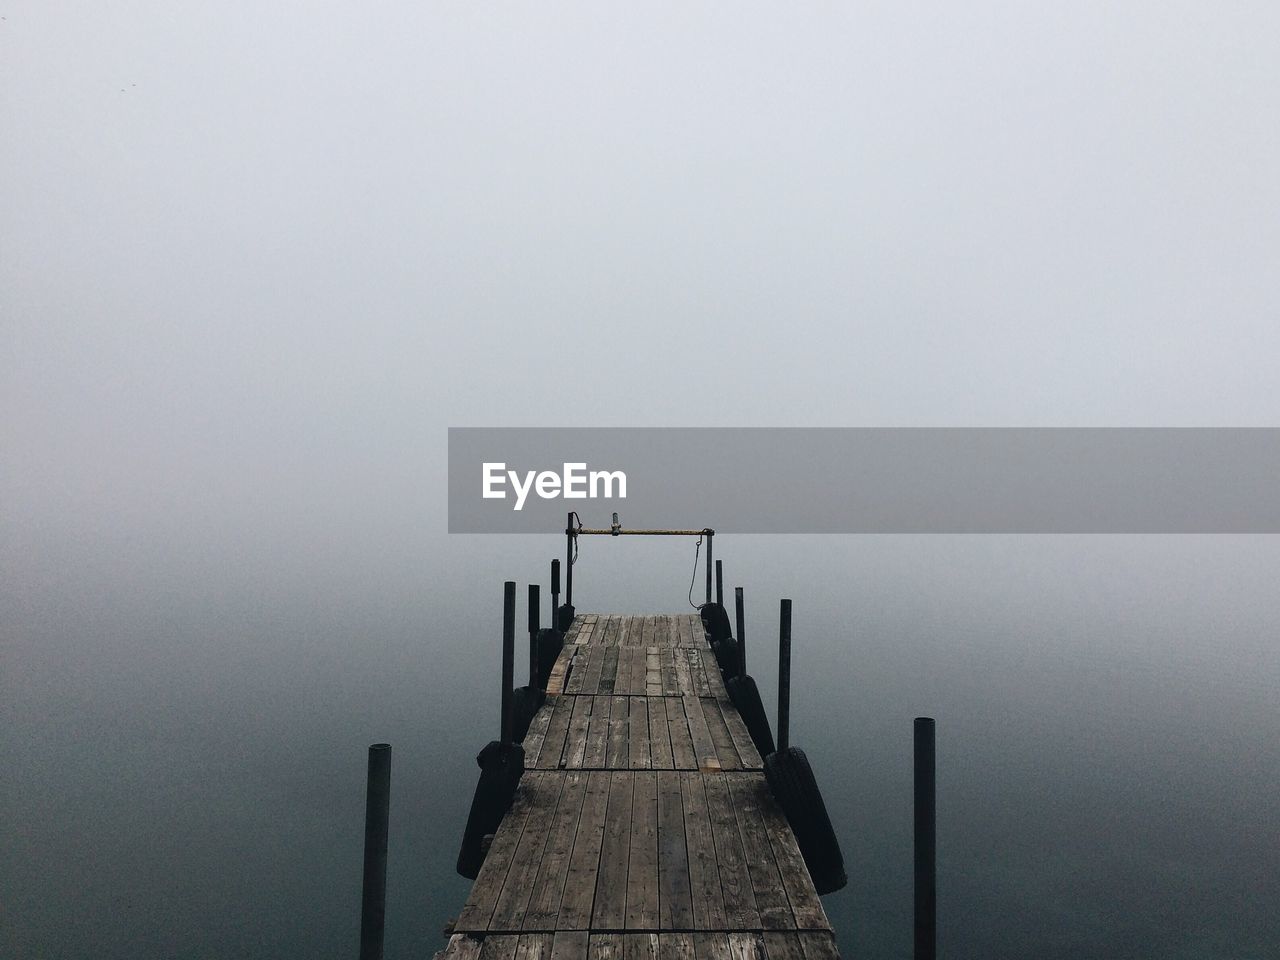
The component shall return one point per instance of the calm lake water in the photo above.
(184, 733)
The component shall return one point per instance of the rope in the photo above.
(693, 579)
(574, 517)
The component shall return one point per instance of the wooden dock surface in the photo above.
(643, 827)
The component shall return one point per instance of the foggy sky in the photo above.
(251, 244)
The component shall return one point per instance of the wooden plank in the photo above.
(662, 631)
(575, 742)
(653, 673)
(616, 757)
(715, 679)
(605, 946)
(711, 946)
(493, 872)
(698, 669)
(532, 742)
(746, 946)
(561, 671)
(542, 789)
(622, 672)
(557, 730)
(782, 946)
(638, 739)
(698, 636)
(639, 678)
(584, 863)
(499, 948)
(675, 902)
(642, 864)
(682, 753)
(670, 685)
(647, 631)
(598, 733)
(569, 945)
(742, 742)
(684, 677)
(660, 756)
(534, 946)
(704, 748)
(704, 876)
(622, 676)
(460, 947)
(740, 908)
(595, 661)
(766, 881)
(819, 945)
(795, 876)
(609, 674)
(578, 674)
(609, 912)
(675, 946)
(726, 752)
(698, 630)
(548, 887)
(611, 631)
(681, 633)
(640, 946)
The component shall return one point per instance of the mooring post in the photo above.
(742, 639)
(719, 584)
(377, 804)
(784, 675)
(534, 601)
(926, 873)
(568, 560)
(508, 658)
(711, 535)
(555, 594)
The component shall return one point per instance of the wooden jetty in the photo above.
(643, 827)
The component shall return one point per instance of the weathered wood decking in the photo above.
(643, 826)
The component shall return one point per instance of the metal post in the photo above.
(710, 536)
(508, 658)
(377, 804)
(719, 583)
(568, 560)
(534, 602)
(926, 873)
(555, 594)
(784, 675)
(742, 638)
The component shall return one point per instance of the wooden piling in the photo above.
(926, 867)
(373, 906)
(741, 630)
(710, 537)
(784, 675)
(534, 602)
(508, 658)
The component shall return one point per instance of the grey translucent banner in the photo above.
(868, 480)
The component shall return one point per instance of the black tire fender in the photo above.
(564, 617)
(796, 790)
(501, 766)
(550, 643)
(525, 702)
(716, 620)
(746, 698)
